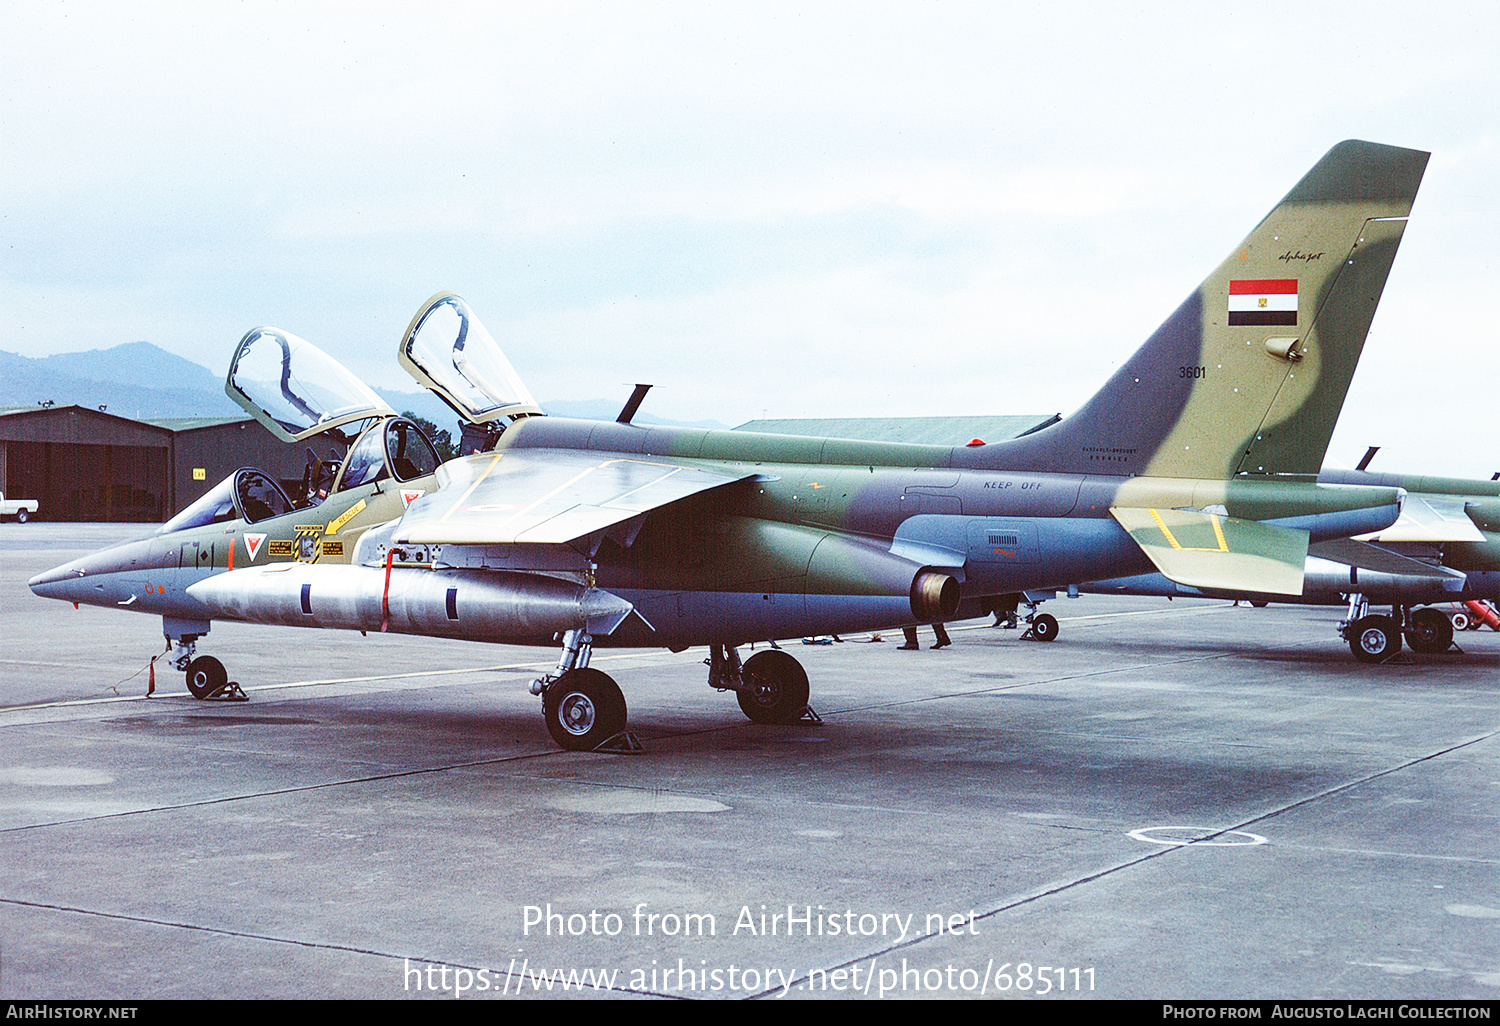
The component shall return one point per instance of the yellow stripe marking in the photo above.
(1213, 518)
(1163, 525)
(349, 514)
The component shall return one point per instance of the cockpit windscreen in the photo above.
(395, 448)
(247, 494)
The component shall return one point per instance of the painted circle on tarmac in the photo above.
(1182, 836)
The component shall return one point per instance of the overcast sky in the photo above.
(767, 210)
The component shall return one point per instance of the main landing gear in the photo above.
(585, 710)
(1039, 626)
(1374, 638)
(583, 707)
(771, 686)
(1428, 630)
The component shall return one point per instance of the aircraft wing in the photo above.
(546, 496)
(1206, 550)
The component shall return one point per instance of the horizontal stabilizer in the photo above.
(1206, 550)
(1373, 557)
(1433, 519)
(546, 496)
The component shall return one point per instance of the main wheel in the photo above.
(583, 708)
(1430, 631)
(206, 676)
(22, 516)
(1374, 639)
(776, 688)
(1044, 627)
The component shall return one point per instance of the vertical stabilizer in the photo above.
(1250, 372)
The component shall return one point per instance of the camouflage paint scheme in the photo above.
(1445, 548)
(821, 535)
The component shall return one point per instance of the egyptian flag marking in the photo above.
(1263, 301)
(252, 545)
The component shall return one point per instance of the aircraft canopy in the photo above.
(448, 351)
(294, 388)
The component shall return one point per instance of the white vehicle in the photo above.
(21, 509)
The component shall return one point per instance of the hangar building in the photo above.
(85, 464)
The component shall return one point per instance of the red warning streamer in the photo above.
(385, 596)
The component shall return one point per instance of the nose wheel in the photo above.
(207, 679)
(1043, 628)
(206, 676)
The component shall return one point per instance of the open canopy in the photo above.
(294, 388)
(448, 351)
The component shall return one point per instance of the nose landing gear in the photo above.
(207, 680)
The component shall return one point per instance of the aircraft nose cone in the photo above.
(61, 582)
(103, 577)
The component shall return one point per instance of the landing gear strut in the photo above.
(1039, 626)
(1375, 639)
(1372, 638)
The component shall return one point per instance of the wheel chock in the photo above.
(809, 716)
(623, 743)
(231, 692)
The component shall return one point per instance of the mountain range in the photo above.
(145, 382)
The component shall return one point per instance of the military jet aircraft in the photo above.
(584, 534)
(1444, 548)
